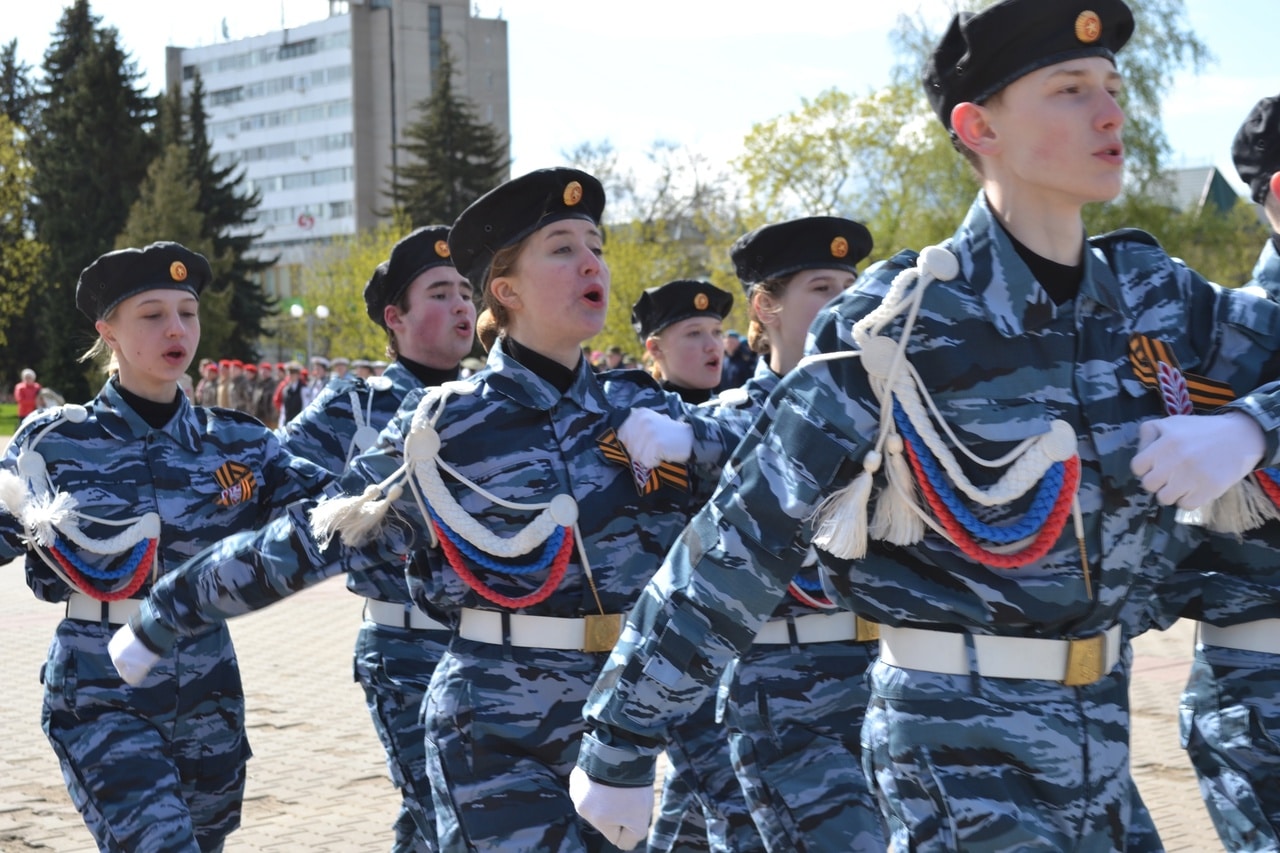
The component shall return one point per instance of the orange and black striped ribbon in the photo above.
(230, 476)
(647, 481)
(1145, 353)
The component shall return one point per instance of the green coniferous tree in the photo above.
(17, 93)
(90, 150)
(21, 257)
(229, 210)
(167, 209)
(454, 158)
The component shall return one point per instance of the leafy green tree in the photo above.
(884, 159)
(90, 149)
(453, 157)
(1163, 43)
(21, 257)
(679, 225)
(336, 278)
(17, 93)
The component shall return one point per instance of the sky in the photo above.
(699, 73)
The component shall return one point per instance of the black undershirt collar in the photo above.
(1060, 281)
(430, 377)
(692, 396)
(155, 414)
(553, 372)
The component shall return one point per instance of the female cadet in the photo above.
(984, 394)
(426, 308)
(538, 525)
(795, 699)
(680, 326)
(106, 498)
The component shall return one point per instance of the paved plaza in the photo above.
(317, 781)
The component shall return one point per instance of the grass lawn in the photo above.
(8, 418)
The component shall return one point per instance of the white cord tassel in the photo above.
(44, 514)
(12, 493)
(355, 518)
(841, 519)
(1244, 507)
(897, 519)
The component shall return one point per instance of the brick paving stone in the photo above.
(318, 781)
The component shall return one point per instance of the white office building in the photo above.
(311, 112)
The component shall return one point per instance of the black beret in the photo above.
(659, 307)
(512, 211)
(422, 249)
(983, 52)
(116, 276)
(1256, 148)
(812, 243)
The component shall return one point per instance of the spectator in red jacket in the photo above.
(24, 393)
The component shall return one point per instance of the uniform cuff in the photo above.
(150, 631)
(618, 765)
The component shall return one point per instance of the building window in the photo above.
(435, 32)
(306, 47)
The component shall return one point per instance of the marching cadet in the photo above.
(339, 367)
(983, 393)
(536, 497)
(1230, 712)
(794, 701)
(680, 324)
(207, 387)
(106, 498)
(426, 308)
(263, 407)
(317, 380)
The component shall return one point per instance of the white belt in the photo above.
(1261, 635)
(88, 609)
(818, 628)
(395, 614)
(590, 634)
(1072, 662)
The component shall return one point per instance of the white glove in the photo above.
(621, 814)
(132, 658)
(651, 437)
(1190, 460)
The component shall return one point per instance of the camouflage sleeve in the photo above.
(248, 571)
(714, 438)
(1238, 336)
(1266, 274)
(322, 432)
(718, 585)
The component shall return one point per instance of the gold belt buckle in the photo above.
(602, 632)
(865, 630)
(1085, 660)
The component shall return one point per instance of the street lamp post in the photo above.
(321, 313)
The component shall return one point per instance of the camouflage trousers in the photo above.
(503, 729)
(394, 667)
(962, 762)
(156, 768)
(1230, 726)
(795, 716)
(702, 806)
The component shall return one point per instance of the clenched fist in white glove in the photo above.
(621, 814)
(1190, 460)
(131, 656)
(651, 437)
